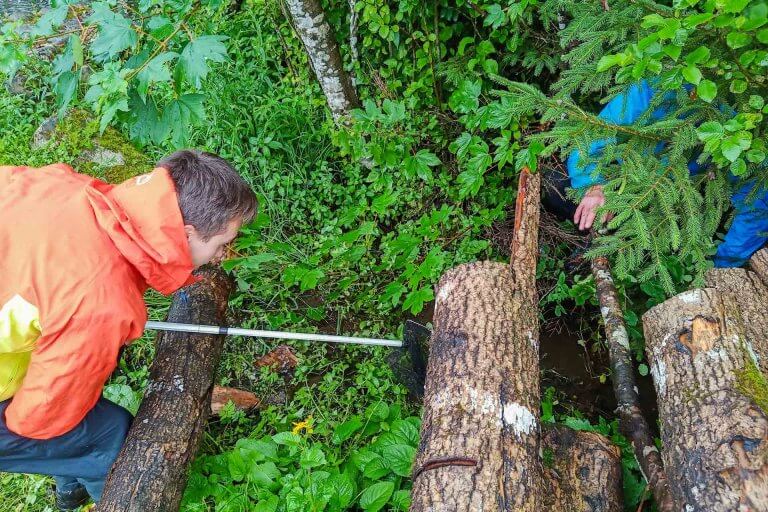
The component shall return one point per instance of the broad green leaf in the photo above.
(115, 32)
(146, 124)
(287, 438)
(709, 131)
(706, 90)
(697, 56)
(160, 27)
(762, 36)
(496, 16)
(738, 86)
(193, 61)
(731, 148)
(465, 98)
(266, 504)
(737, 39)
(401, 500)
(399, 458)
(734, 6)
(755, 156)
(66, 88)
(50, 20)
(606, 62)
(692, 74)
(312, 457)
(406, 431)
(344, 489)
(181, 114)
(376, 496)
(738, 167)
(345, 430)
(415, 300)
(154, 71)
(697, 19)
(756, 102)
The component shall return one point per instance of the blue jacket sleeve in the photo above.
(624, 109)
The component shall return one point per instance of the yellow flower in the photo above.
(305, 425)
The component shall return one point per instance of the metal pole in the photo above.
(213, 329)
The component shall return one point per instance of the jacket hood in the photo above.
(142, 217)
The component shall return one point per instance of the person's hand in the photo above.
(585, 213)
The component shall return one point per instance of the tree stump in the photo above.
(582, 470)
(713, 426)
(150, 473)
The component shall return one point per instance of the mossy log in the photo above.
(150, 473)
(713, 428)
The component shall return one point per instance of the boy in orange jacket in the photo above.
(76, 256)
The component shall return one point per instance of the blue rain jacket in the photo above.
(749, 230)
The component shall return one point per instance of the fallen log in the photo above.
(631, 420)
(714, 428)
(750, 294)
(582, 471)
(480, 437)
(150, 473)
(758, 264)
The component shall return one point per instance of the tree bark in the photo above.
(324, 56)
(150, 473)
(750, 293)
(714, 434)
(480, 431)
(582, 471)
(631, 419)
(758, 264)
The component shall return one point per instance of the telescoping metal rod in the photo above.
(234, 331)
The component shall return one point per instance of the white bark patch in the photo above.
(659, 373)
(531, 339)
(649, 449)
(475, 401)
(691, 297)
(621, 337)
(444, 291)
(604, 311)
(178, 381)
(520, 418)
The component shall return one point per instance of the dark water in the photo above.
(16, 9)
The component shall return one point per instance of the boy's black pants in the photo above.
(81, 456)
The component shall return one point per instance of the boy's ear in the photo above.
(190, 230)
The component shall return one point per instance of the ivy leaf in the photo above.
(193, 62)
(154, 72)
(182, 113)
(376, 496)
(115, 32)
(706, 90)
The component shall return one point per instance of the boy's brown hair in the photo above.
(211, 192)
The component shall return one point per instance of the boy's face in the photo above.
(212, 249)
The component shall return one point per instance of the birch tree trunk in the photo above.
(714, 427)
(324, 56)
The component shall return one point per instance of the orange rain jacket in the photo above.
(76, 256)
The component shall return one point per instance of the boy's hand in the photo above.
(585, 213)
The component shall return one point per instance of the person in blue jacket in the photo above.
(749, 230)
